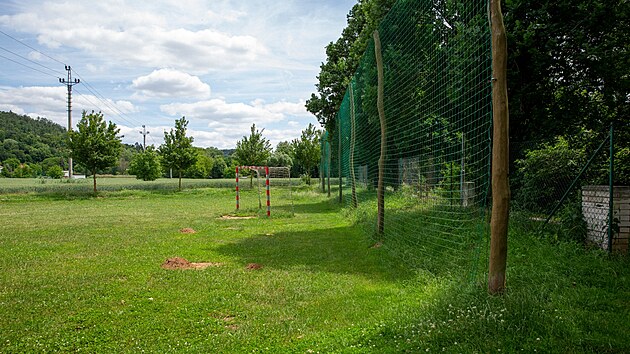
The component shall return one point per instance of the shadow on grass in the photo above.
(322, 207)
(337, 250)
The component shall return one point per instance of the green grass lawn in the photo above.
(82, 273)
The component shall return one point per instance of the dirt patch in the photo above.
(183, 263)
(377, 245)
(187, 230)
(234, 217)
(253, 266)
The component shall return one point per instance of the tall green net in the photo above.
(438, 114)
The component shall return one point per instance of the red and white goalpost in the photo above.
(282, 179)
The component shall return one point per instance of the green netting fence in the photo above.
(438, 115)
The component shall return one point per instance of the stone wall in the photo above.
(595, 204)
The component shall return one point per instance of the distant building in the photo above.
(66, 173)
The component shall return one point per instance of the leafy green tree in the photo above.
(218, 167)
(342, 59)
(562, 79)
(177, 151)
(54, 161)
(280, 159)
(253, 150)
(95, 144)
(146, 165)
(10, 165)
(202, 168)
(284, 147)
(55, 172)
(307, 150)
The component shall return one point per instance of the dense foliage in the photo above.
(30, 140)
(306, 151)
(343, 58)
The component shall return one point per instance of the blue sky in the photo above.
(224, 64)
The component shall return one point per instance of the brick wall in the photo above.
(595, 201)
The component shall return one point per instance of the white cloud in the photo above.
(50, 102)
(284, 107)
(170, 83)
(133, 35)
(218, 110)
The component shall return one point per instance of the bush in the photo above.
(54, 172)
(146, 165)
(545, 174)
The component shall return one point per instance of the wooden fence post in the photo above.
(500, 143)
(353, 182)
(380, 192)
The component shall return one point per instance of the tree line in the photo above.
(38, 147)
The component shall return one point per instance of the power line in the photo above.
(37, 50)
(32, 61)
(29, 67)
(104, 100)
(124, 117)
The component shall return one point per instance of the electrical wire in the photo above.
(29, 67)
(28, 46)
(32, 61)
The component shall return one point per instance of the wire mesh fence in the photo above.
(564, 189)
(437, 105)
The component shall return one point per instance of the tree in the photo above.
(253, 150)
(202, 168)
(55, 172)
(146, 165)
(342, 59)
(284, 147)
(218, 167)
(95, 144)
(307, 150)
(177, 151)
(10, 166)
(280, 159)
(562, 80)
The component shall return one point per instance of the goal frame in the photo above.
(259, 169)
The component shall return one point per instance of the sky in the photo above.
(223, 64)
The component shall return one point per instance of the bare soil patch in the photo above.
(183, 263)
(234, 217)
(187, 230)
(377, 245)
(254, 266)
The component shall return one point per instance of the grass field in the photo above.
(82, 273)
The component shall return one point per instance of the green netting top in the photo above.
(438, 113)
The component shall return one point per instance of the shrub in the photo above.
(146, 165)
(54, 172)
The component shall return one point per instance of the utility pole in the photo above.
(69, 83)
(144, 133)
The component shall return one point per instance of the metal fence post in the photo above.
(611, 173)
